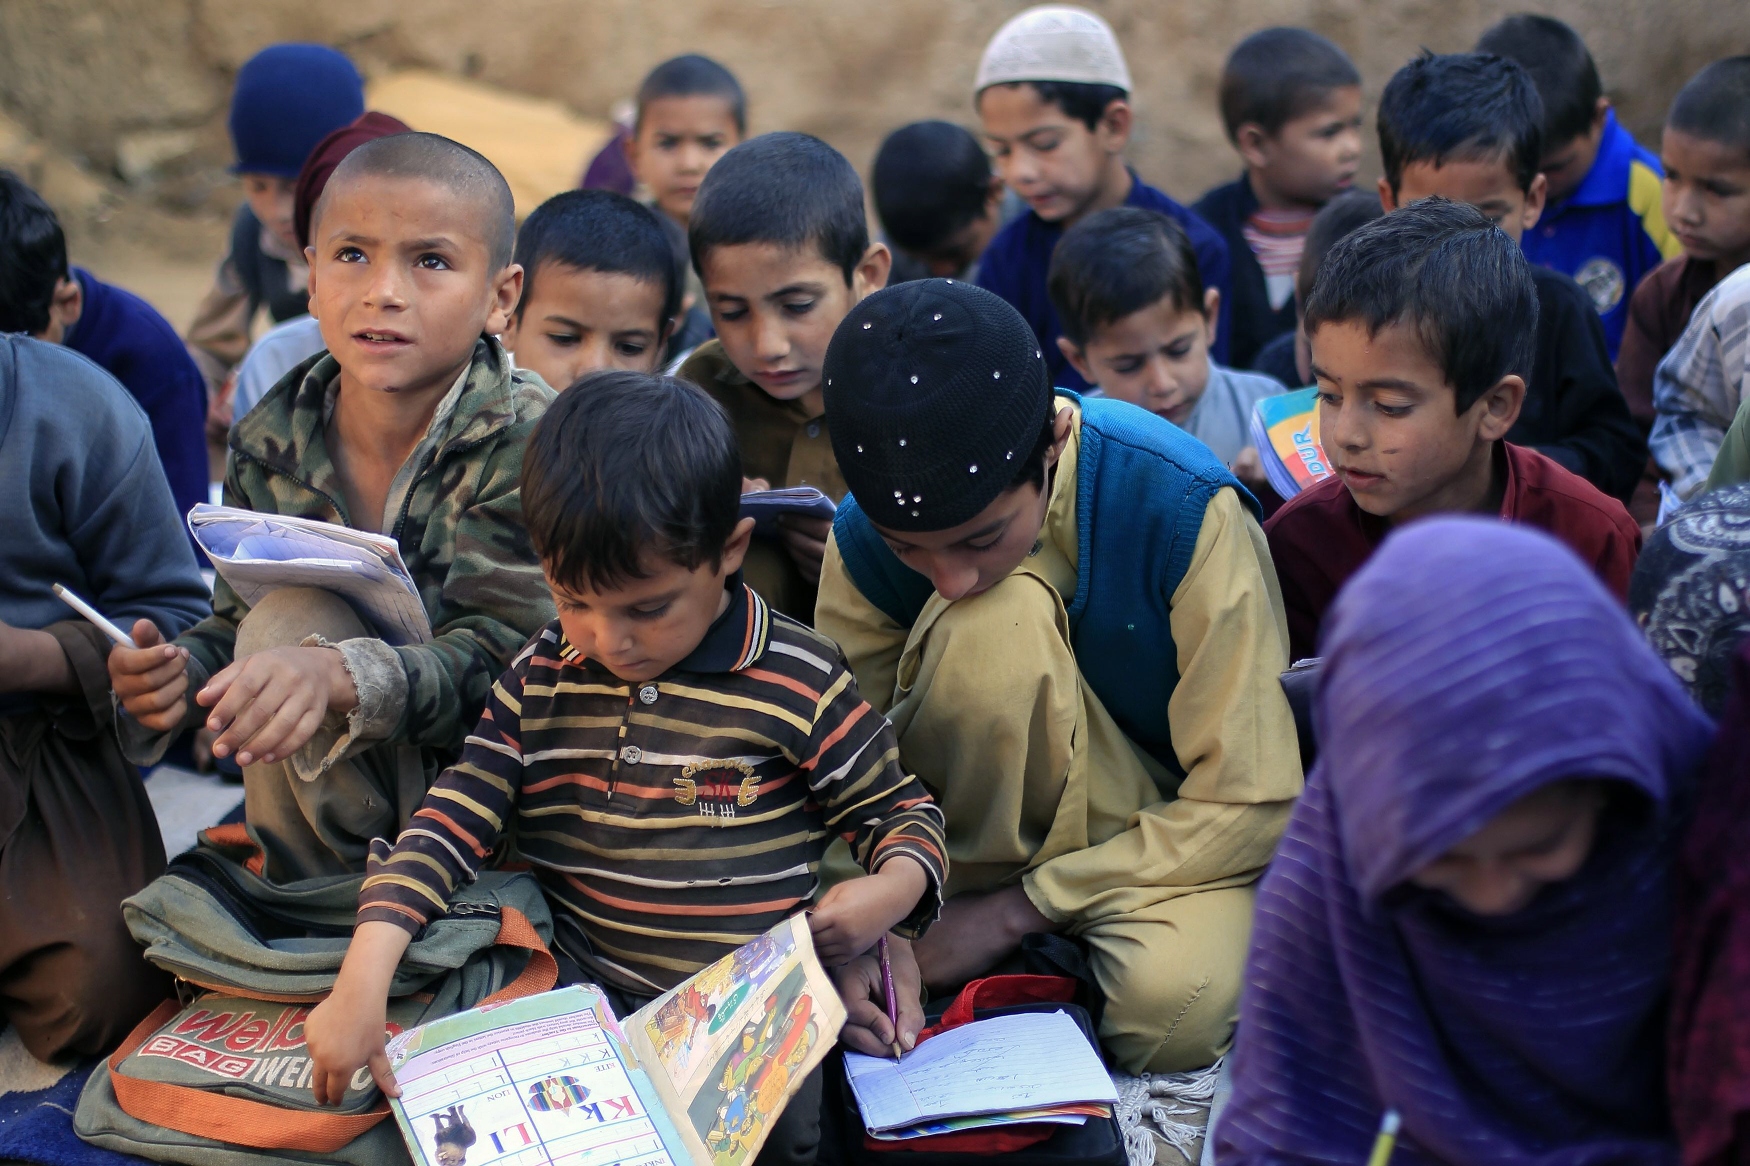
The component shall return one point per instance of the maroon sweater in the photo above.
(1320, 537)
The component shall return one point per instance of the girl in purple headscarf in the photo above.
(1469, 919)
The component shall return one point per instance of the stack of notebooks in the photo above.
(1285, 429)
(1030, 1067)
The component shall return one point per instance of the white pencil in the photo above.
(96, 617)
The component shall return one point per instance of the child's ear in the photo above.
(993, 199)
(1078, 360)
(1501, 405)
(1535, 200)
(872, 271)
(1250, 141)
(1388, 198)
(735, 549)
(507, 291)
(1211, 314)
(1115, 125)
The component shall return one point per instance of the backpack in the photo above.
(220, 1076)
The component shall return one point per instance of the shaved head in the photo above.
(436, 159)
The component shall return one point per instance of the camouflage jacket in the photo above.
(459, 526)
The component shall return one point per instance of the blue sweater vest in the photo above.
(1142, 485)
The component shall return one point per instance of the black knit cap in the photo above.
(936, 392)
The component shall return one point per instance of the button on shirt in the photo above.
(675, 820)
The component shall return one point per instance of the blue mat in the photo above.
(38, 1127)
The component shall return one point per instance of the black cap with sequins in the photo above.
(936, 391)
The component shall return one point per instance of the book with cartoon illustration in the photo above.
(694, 1078)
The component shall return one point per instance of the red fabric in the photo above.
(1709, 1064)
(327, 155)
(1320, 537)
(990, 992)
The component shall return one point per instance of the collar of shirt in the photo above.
(1607, 181)
(735, 640)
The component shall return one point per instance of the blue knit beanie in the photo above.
(288, 98)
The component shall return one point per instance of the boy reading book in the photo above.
(1068, 609)
(1422, 327)
(672, 755)
(411, 425)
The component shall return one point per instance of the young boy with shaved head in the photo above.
(411, 424)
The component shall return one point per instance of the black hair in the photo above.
(1032, 471)
(625, 463)
(33, 256)
(1715, 105)
(788, 189)
(1461, 107)
(1120, 261)
(1337, 218)
(1278, 74)
(1560, 67)
(1080, 100)
(435, 158)
(1458, 281)
(599, 230)
(931, 178)
(693, 75)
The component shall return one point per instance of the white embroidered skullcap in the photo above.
(1054, 42)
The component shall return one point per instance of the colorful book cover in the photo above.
(1285, 428)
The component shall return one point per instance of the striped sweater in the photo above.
(673, 820)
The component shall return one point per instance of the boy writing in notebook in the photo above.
(1068, 610)
(780, 238)
(600, 288)
(1423, 325)
(411, 425)
(1291, 104)
(1467, 127)
(1604, 225)
(1053, 96)
(673, 755)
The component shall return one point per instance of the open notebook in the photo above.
(694, 1078)
(257, 553)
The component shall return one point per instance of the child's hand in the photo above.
(267, 705)
(151, 680)
(1248, 468)
(853, 915)
(805, 539)
(344, 1033)
(860, 986)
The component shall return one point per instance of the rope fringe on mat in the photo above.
(1173, 1107)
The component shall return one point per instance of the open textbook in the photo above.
(694, 1078)
(257, 553)
(1285, 429)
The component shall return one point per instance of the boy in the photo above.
(1467, 127)
(599, 288)
(1067, 609)
(672, 755)
(1053, 96)
(1706, 156)
(1422, 326)
(1604, 225)
(1287, 358)
(288, 97)
(412, 424)
(1137, 323)
(1291, 103)
(691, 111)
(1698, 389)
(938, 202)
(781, 241)
(86, 506)
(121, 332)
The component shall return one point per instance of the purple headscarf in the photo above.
(1468, 664)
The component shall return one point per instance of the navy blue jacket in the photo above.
(1254, 322)
(128, 339)
(1015, 264)
(1142, 485)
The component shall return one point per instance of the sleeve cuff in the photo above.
(1041, 902)
(145, 747)
(381, 680)
(929, 907)
(376, 913)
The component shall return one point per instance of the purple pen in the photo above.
(892, 996)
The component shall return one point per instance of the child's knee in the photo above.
(285, 618)
(84, 996)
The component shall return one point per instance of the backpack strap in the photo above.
(897, 590)
(224, 1118)
(542, 970)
